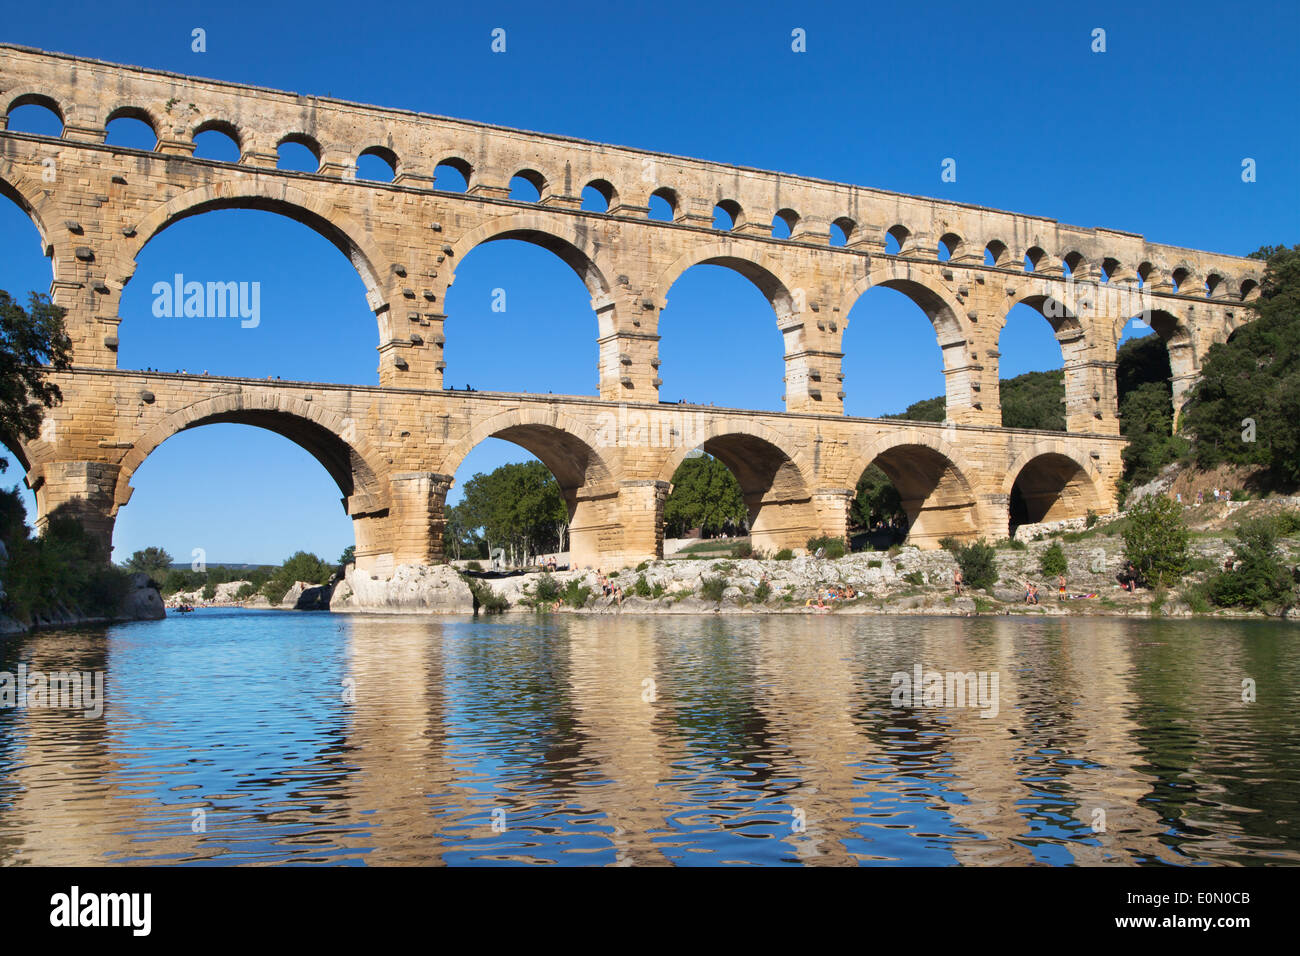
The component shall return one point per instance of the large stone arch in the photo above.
(933, 479)
(547, 433)
(357, 468)
(572, 242)
(34, 201)
(269, 194)
(1054, 482)
(921, 284)
(777, 485)
(767, 275)
(569, 450)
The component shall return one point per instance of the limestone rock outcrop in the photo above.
(411, 588)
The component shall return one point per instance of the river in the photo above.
(255, 737)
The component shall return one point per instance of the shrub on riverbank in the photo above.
(1155, 540)
(978, 563)
(830, 547)
(1052, 562)
(63, 569)
(1258, 580)
(484, 597)
(712, 589)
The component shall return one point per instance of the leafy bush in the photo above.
(643, 565)
(875, 564)
(246, 591)
(209, 592)
(742, 550)
(473, 566)
(1288, 523)
(641, 588)
(1194, 596)
(575, 594)
(785, 554)
(1052, 561)
(831, 547)
(950, 544)
(64, 568)
(711, 589)
(1091, 519)
(1259, 579)
(914, 578)
(484, 597)
(762, 592)
(978, 563)
(1155, 540)
(547, 590)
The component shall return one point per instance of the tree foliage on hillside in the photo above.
(1146, 410)
(1031, 400)
(1256, 376)
(705, 495)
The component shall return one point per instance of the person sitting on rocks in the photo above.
(1128, 578)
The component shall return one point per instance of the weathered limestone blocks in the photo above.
(410, 588)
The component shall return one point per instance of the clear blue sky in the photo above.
(1148, 136)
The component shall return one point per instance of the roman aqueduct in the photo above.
(392, 448)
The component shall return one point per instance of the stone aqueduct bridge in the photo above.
(393, 447)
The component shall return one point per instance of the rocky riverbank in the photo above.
(904, 580)
(142, 602)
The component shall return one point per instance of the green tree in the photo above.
(1256, 376)
(705, 495)
(348, 556)
(876, 499)
(1259, 579)
(978, 563)
(1146, 411)
(518, 507)
(32, 343)
(300, 566)
(1155, 540)
(1052, 562)
(155, 562)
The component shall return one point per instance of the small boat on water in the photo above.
(184, 608)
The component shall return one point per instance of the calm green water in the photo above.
(260, 737)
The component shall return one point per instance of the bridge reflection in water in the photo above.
(246, 737)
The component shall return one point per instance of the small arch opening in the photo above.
(527, 185)
(598, 196)
(662, 205)
(783, 223)
(841, 231)
(377, 164)
(451, 175)
(35, 115)
(217, 140)
(130, 128)
(298, 153)
(895, 238)
(726, 215)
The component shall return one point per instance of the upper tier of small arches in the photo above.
(377, 145)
